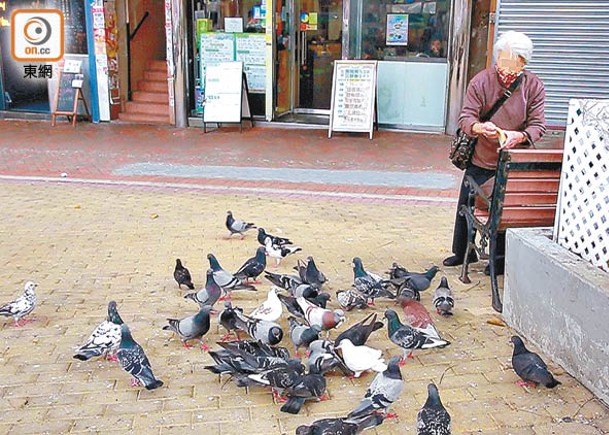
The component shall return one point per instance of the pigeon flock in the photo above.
(251, 354)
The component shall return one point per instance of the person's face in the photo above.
(436, 46)
(508, 61)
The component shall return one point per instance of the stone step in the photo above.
(143, 118)
(156, 65)
(152, 86)
(146, 107)
(155, 76)
(150, 97)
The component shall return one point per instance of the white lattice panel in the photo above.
(582, 215)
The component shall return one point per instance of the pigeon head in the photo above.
(393, 321)
(306, 430)
(443, 282)
(261, 254)
(431, 273)
(209, 277)
(393, 368)
(339, 317)
(126, 337)
(30, 287)
(390, 315)
(275, 335)
(358, 267)
(178, 262)
(323, 297)
(433, 397)
(213, 262)
(230, 213)
(519, 346)
(296, 365)
(113, 315)
(261, 232)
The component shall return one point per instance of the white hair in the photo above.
(516, 42)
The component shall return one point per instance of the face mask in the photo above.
(507, 77)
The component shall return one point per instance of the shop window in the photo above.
(402, 29)
(74, 24)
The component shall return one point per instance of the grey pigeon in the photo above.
(236, 226)
(182, 275)
(369, 284)
(324, 318)
(209, 294)
(410, 338)
(228, 319)
(530, 367)
(271, 309)
(134, 361)
(418, 281)
(359, 333)
(265, 331)
(225, 279)
(22, 306)
(340, 426)
(286, 282)
(406, 293)
(433, 418)
(361, 358)
(279, 252)
(191, 327)
(105, 338)
(309, 386)
(382, 392)
(443, 298)
(253, 267)
(275, 240)
(323, 358)
(302, 335)
(349, 299)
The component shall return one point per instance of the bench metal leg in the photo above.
(471, 247)
(495, 298)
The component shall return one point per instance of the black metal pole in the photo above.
(128, 62)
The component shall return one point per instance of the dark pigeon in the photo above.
(309, 386)
(443, 298)
(253, 267)
(286, 282)
(182, 275)
(228, 319)
(360, 332)
(263, 330)
(105, 339)
(292, 305)
(191, 327)
(530, 367)
(256, 348)
(225, 279)
(301, 334)
(418, 281)
(209, 294)
(433, 419)
(275, 240)
(340, 426)
(236, 226)
(369, 284)
(323, 358)
(134, 361)
(397, 271)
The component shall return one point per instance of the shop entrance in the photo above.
(309, 40)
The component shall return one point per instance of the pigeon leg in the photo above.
(242, 236)
(186, 345)
(134, 382)
(371, 303)
(111, 358)
(324, 398)
(204, 346)
(227, 336)
(391, 415)
(522, 383)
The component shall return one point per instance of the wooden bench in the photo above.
(523, 195)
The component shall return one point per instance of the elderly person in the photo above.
(521, 117)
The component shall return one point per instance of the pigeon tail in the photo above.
(553, 383)
(154, 385)
(293, 405)
(85, 355)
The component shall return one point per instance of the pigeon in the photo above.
(321, 300)
(188, 328)
(279, 252)
(369, 284)
(182, 275)
(253, 267)
(275, 240)
(396, 272)
(323, 358)
(361, 358)
(309, 386)
(292, 305)
(406, 293)
(349, 299)
(263, 330)
(105, 339)
(416, 315)
(209, 294)
(309, 273)
(382, 392)
(225, 279)
(433, 419)
(443, 298)
(271, 309)
(410, 338)
(228, 319)
(530, 367)
(236, 226)
(286, 282)
(359, 333)
(324, 318)
(256, 348)
(22, 306)
(302, 335)
(418, 281)
(340, 426)
(133, 360)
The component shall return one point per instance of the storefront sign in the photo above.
(353, 96)
(223, 92)
(308, 21)
(233, 24)
(251, 50)
(397, 29)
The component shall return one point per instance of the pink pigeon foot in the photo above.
(391, 415)
(134, 382)
(111, 358)
(204, 347)
(186, 345)
(522, 383)
(228, 336)
(324, 398)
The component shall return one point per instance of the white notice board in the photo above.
(223, 92)
(353, 96)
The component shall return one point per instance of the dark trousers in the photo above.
(480, 175)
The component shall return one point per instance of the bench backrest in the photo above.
(526, 188)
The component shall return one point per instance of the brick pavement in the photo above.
(85, 245)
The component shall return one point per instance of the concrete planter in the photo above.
(561, 303)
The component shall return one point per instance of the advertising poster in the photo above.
(397, 29)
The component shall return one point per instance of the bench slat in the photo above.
(519, 217)
(524, 199)
(540, 185)
(535, 174)
(536, 155)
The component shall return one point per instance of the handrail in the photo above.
(146, 14)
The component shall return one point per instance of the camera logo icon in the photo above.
(37, 35)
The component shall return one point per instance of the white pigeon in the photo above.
(105, 339)
(279, 252)
(271, 309)
(322, 317)
(361, 358)
(22, 306)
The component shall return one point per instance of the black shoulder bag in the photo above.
(462, 146)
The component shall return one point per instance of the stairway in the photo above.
(150, 102)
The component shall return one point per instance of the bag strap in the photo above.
(507, 94)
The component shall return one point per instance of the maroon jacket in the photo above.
(523, 111)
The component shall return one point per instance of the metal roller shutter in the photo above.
(571, 54)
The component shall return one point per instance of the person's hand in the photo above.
(512, 139)
(486, 129)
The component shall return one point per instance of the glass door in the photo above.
(309, 40)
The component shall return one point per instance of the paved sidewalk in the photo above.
(86, 245)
